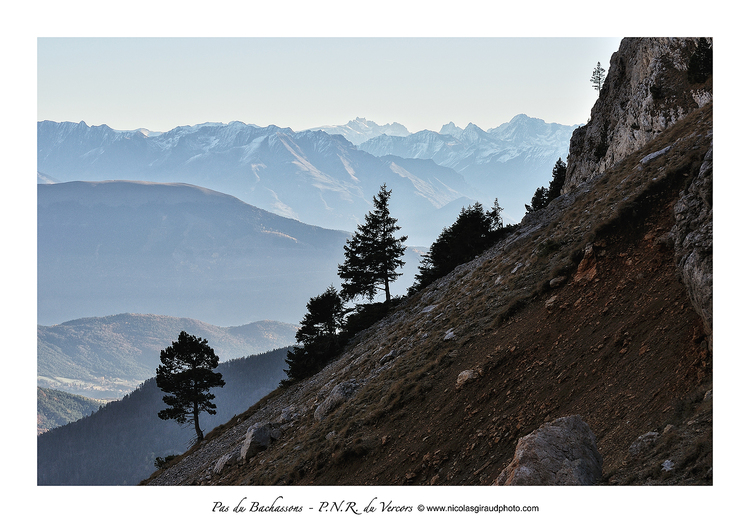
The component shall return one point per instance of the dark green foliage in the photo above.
(186, 375)
(374, 254)
(701, 63)
(473, 231)
(558, 179)
(597, 78)
(365, 315)
(539, 200)
(542, 196)
(318, 337)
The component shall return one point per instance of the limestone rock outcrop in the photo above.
(646, 91)
(693, 242)
(337, 396)
(562, 452)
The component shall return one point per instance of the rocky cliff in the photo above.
(646, 91)
(590, 326)
(652, 84)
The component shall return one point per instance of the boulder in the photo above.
(562, 452)
(557, 282)
(228, 459)
(289, 413)
(550, 303)
(338, 395)
(587, 268)
(258, 438)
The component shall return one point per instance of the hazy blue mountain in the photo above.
(174, 249)
(507, 162)
(360, 130)
(311, 176)
(109, 356)
(44, 179)
(105, 248)
(117, 444)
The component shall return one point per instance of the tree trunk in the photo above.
(198, 431)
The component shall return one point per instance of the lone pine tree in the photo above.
(373, 254)
(597, 78)
(186, 375)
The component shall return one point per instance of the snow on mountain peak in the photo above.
(360, 130)
(451, 129)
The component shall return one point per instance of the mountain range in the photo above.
(109, 356)
(319, 176)
(507, 162)
(56, 408)
(360, 130)
(310, 176)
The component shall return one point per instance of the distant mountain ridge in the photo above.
(360, 130)
(177, 250)
(324, 176)
(506, 162)
(56, 408)
(109, 356)
(311, 176)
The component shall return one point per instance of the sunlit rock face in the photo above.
(646, 91)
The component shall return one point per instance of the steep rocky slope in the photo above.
(585, 310)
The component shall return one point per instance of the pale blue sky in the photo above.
(422, 83)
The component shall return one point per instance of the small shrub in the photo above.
(162, 463)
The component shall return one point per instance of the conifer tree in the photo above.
(373, 254)
(558, 180)
(318, 337)
(598, 77)
(473, 231)
(539, 200)
(186, 375)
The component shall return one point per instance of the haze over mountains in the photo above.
(179, 250)
(321, 177)
(507, 162)
(109, 356)
(360, 130)
(117, 444)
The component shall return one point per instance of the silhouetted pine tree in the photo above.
(473, 232)
(374, 254)
(186, 375)
(318, 336)
(558, 180)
